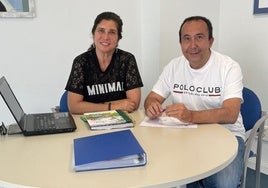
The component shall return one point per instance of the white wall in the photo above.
(243, 36)
(173, 12)
(37, 54)
(150, 40)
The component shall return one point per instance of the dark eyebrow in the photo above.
(200, 34)
(186, 35)
(108, 30)
(194, 35)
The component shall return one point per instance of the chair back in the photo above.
(251, 110)
(253, 119)
(64, 102)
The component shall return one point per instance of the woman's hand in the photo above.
(125, 104)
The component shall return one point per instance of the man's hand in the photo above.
(180, 112)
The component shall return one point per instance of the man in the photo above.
(205, 87)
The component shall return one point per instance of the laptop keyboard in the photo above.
(45, 122)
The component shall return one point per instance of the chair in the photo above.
(253, 119)
(64, 102)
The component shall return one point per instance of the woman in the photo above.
(104, 77)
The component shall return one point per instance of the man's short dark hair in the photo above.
(196, 18)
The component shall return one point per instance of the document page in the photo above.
(165, 121)
(4, 184)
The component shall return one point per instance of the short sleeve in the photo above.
(233, 84)
(133, 78)
(77, 78)
(162, 86)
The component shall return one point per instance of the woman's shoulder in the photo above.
(85, 56)
(123, 53)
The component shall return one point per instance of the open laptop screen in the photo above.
(11, 100)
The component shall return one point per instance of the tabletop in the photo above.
(174, 157)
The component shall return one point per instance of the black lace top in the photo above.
(86, 77)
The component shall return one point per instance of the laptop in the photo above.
(35, 124)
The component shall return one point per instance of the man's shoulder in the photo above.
(221, 56)
(223, 59)
(177, 61)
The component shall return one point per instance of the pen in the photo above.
(163, 110)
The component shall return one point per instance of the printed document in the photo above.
(165, 121)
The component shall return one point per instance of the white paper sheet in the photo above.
(165, 121)
(4, 184)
